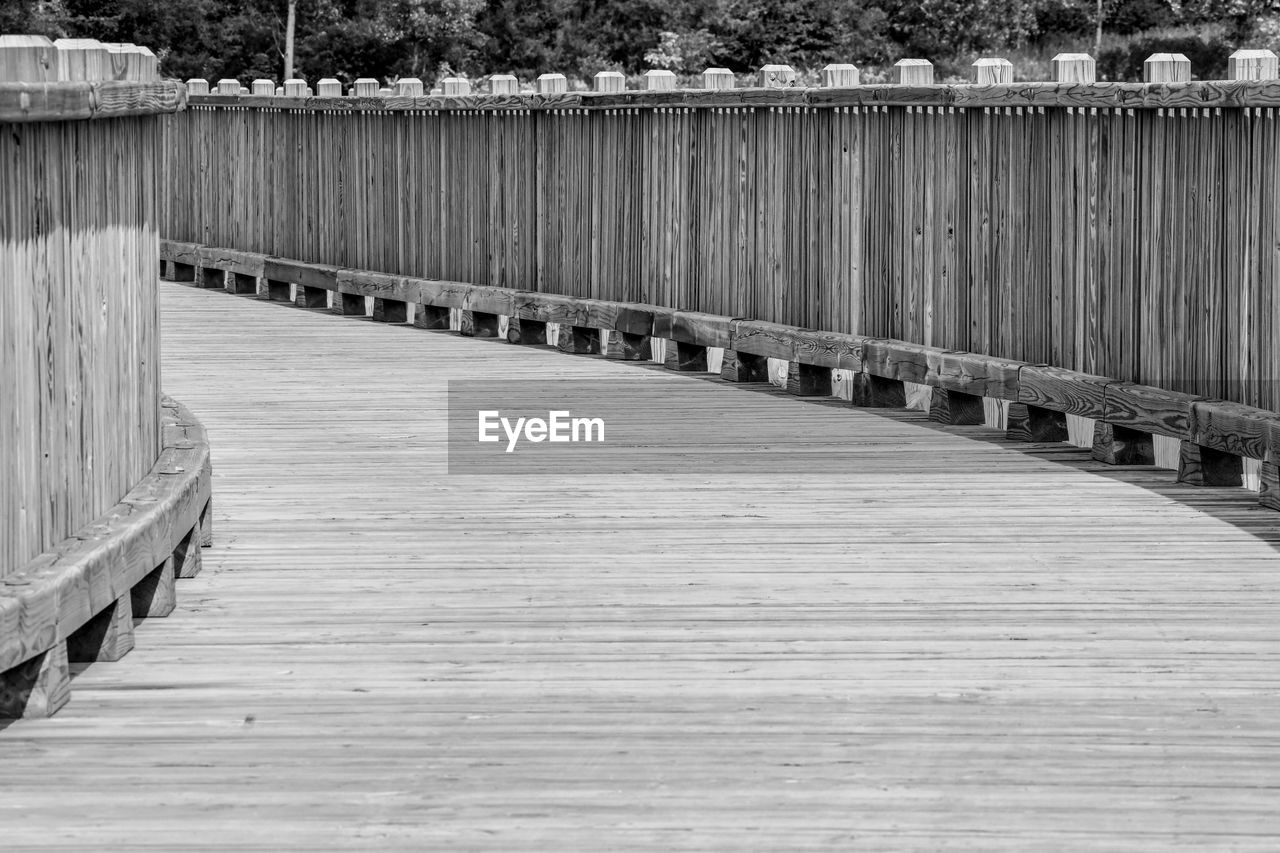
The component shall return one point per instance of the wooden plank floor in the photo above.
(889, 635)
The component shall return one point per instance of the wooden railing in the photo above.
(1213, 436)
(1116, 229)
(102, 489)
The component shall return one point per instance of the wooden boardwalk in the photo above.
(887, 636)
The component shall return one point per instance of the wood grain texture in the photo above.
(1232, 427)
(1205, 466)
(879, 634)
(1148, 409)
(1062, 390)
(75, 101)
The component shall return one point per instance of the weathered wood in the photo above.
(37, 687)
(955, 408)
(870, 391)
(1204, 466)
(478, 324)
(582, 340)
(431, 317)
(744, 367)
(1149, 409)
(757, 337)
(899, 360)
(212, 278)
(973, 374)
(625, 346)
(1118, 445)
(684, 357)
(311, 297)
(351, 305)
(390, 310)
(247, 285)
(808, 380)
(1033, 423)
(526, 332)
(1062, 390)
(1269, 485)
(187, 559)
(177, 271)
(108, 636)
(1231, 427)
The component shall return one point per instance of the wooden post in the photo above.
(328, 88)
(263, 87)
(659, 80)
(955, 408)
(279, 91)
(409, 87)
(1166, 68)
(529, 333)
(717, 78)
(1117, 445)
(28, 59)
(187, 561)
(106, 637)
(552, 84)
(625, 346)
(37, 687)
(455, 86)
(228, 86)
(991, 71)
(155, 595)
(504, 84)
(197, 86)
(1032, 423)
(807, 380)
(877, 392)
(913, 72)
(840, 76)
(744, 367)
(1204, 466)
(1253, 65)
(295, 88)
(580, 340)
(82, 59)
(365, 87)
(386, 92)
(777, 76)
(610, 81)
(1075, 68)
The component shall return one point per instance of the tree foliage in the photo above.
(387, 39)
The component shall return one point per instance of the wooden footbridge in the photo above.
(895, 592)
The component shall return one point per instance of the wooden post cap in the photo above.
(149, 65)
(777, 76)
(244, 90)
(503, 84)
(328, 88)
(1166, 68)
(279, 91)
(659, 80)
(717, 78)
(913, 72)
(365, 87)
(131, 62)
(409, 87)
(436, 92)
(453, 86)
(228, 86)
(610, 81)
(28, 59)
(1075, 68)
(386, 91)
(262, 87)
(197, 86)
(1253, 65)
(992, 70)
(551, 84)
(295, 88)
(840, 75)
(82, 59)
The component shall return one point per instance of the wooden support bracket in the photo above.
(390, 310)
(244, 285)
(956, 408)
(107, 636)
(155, 595)
(212, 278)
(1269, 480)
(351, 305)
(177, 271)
(625, 346)
(877, 392)
(278, 291)
(686, 358)
(1032, 423)
(529, 333)
(1117, 445)
(1204, 466)
(310, 297)
(431, 317)
(37, 687)
(808, 380)
(579, 340)
(744, 367)
(478, 324)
